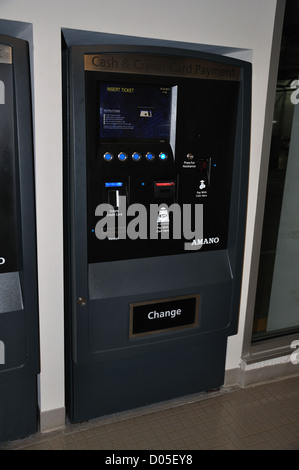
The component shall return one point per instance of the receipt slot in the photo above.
(19, 344)
(156, 168)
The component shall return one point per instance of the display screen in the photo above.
(134, 111)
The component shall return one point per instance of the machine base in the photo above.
(18, 408)
(108, 387)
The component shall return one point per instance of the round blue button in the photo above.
(122, 156)
(150, 156)
(163, 156)
(108, 156)
(136, 156)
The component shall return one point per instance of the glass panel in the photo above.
(277, 298)
(284, 299)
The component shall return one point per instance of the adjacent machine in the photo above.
(19, 331)
(155, 192)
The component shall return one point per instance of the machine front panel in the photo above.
(158, 148)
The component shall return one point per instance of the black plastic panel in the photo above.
(9, 204)
(199, 161)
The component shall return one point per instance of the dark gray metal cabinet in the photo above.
(19, 329)
(117, 288)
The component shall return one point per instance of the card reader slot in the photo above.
(164, 189)
(113, 198)
(112, 192)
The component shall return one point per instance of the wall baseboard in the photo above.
(260, 372)
(52, 420)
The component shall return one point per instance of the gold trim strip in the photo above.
(172, 66)
(5, 54)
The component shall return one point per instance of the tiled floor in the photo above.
(260, 417)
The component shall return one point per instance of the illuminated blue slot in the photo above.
(113, 185)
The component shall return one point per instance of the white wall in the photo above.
(245, 24)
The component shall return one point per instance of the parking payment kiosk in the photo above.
(156, 169)
(19, 343)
